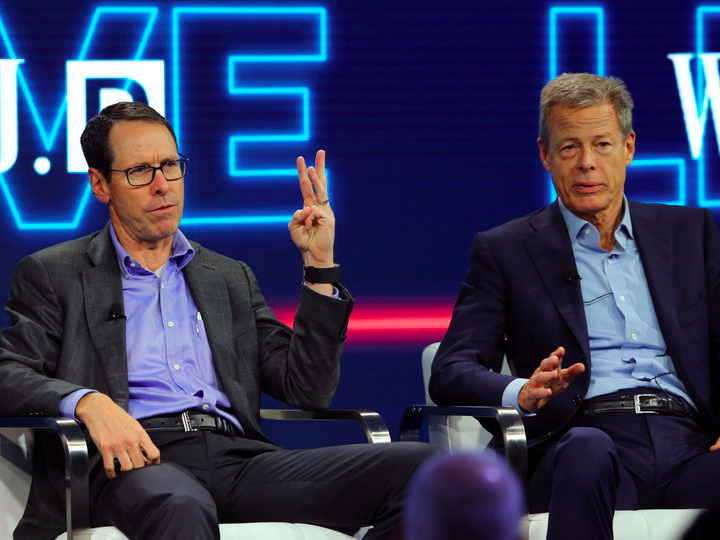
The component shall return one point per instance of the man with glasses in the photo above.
(160, 348)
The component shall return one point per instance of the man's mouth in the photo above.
(163, 208)
(587, 187)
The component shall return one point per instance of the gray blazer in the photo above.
(63, 338)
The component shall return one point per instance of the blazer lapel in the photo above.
(210, 295)
(551, 252)
(655, 244)
(102, 289)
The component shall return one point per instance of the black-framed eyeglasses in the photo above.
(145, 174)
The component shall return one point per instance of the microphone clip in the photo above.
(116, 312)
(571, 275)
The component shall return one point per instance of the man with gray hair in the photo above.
(608, 312)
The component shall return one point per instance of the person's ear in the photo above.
(99, 185)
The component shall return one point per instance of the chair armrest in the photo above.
(513, 431)
(77, 507)
(375, 428)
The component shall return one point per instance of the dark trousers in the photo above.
(622, 461)
(205, 478)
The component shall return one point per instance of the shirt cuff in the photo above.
(69, 402)
(335, 294)
(511, 393)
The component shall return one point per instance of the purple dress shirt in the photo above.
(170, 365)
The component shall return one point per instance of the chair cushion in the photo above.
(244, 531)
(656, 524)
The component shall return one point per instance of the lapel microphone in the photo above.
(116, 312)
(570, 275)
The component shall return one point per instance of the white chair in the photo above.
(456, 428)
(15, 473)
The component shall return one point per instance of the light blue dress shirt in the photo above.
(627, 349)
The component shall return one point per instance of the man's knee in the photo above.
(406, 456)
(394, 463)
(588, 440)
(415, 450)
(154, 501)
(588, 452)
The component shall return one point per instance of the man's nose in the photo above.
(587, 159)
(159, 182)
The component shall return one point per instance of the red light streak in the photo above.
(383, 321)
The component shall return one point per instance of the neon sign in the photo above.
(148, 78)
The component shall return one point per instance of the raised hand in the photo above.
(548, 380)
(312, 228)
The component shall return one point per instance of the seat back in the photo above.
(14, 477)
(452, 433)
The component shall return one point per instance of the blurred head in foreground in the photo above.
(469, 495)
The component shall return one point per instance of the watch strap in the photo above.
(311, 274)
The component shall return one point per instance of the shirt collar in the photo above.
(575, 225)
(181, 254)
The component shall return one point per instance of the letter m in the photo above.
(696, 117)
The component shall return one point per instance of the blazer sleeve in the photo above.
(467, 365)
(301, 366)
(30, 346)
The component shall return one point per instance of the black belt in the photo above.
(641, 403)
(189, 421)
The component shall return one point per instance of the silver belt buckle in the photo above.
(638, 410)
(188, 426)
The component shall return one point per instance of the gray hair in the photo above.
(579, 90)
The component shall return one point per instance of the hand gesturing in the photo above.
(548, 380)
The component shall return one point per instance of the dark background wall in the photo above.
(427, 110)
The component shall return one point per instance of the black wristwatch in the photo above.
(321, 275)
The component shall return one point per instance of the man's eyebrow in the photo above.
(148, 164)
(565, 140)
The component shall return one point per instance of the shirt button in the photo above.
(162, 285)
(622, 298)
(133, 265)
(587, 231)
(171, 324)
(206, 407)
(633, 336)
(609, 261)
(176, 367)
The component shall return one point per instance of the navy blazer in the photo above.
(517, 301)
